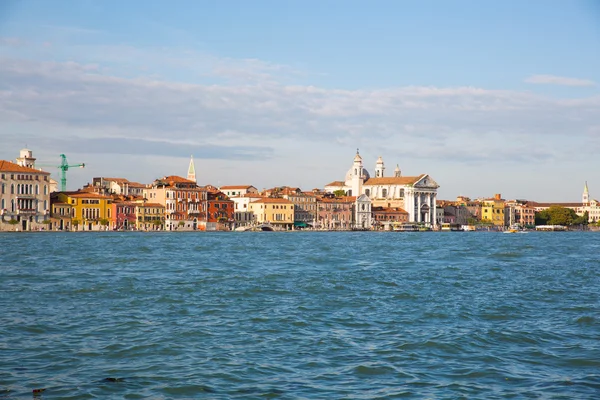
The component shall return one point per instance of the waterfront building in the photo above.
(184, 201)
(415, 194)
(335, 213)
(305, 207)
(149, 216)
(124, 215)
(278, 212)
(241, 211)
(219, 210)
(518, 212)
(61, 214)
(492, 210)
(24, 194)
(454, 212)
(363, 218)
(473, 207)
(385, 217)
(89, 211)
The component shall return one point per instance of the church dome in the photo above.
(350, 172)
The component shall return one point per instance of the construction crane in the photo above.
(64, 167)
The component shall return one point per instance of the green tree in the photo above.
(181, 223)
(13, 221)
(557, 215)
(582, 220)
(339, 193)
(104, 222)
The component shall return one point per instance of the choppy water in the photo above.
(300, 315)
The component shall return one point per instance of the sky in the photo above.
(485, 97)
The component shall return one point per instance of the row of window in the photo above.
(14, 206)
(21, 177)
(24, 189)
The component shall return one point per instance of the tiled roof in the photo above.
(153, 205)
(389, 210)
(273, 200)
(343, 199)
(119, 180)
(7, 166)
(336, 183)
(86, 195)
(534, 204)
(236, 187)
(177, 179)
(400, 180)
(136, 184)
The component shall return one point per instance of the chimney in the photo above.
(498, 196)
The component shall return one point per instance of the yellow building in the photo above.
(90, 211)
(150, 216)
(492, 210)
(277, 212)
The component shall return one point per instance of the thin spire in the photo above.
(585, 188)
(191, 175)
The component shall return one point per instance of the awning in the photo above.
(300, 224)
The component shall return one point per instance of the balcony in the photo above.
(26, 211)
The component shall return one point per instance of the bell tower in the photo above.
(379, 168)
(191, 175)
(585, 197)
(357, 175)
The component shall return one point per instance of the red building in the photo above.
(335, 213)
(123, 215)
(219, 210)
(387, 215)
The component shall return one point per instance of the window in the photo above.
(384, 193)
(368, 192)
(12, 188)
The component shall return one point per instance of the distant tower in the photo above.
(397, 171)
(379, 168)
(357, 175)
(26, 158)
(585, 198)
(191, 176)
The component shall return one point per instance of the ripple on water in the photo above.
(302, 315)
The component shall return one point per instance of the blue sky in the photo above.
(486, 97)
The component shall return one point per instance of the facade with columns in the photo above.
(24, 194)
(416, 195)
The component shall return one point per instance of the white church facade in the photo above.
(415, 194)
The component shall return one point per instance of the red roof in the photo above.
(7, 166)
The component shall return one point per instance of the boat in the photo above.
(515, 228)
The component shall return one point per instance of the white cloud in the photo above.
(559, 80)
(254, 119)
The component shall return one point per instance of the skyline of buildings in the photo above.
(30, 198)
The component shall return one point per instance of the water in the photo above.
(296, 315)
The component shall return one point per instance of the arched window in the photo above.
(368, 192)
(384, 193)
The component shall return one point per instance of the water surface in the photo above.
(356, 315)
